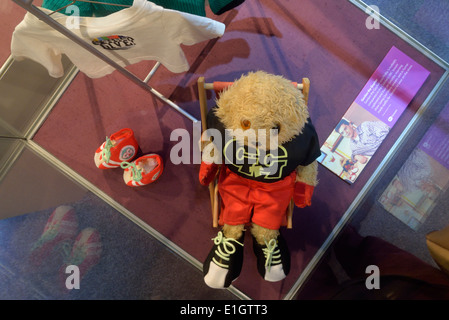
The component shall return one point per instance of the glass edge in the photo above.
(76, 178)
(13, 154)
(47, 107)
(404, 35)
(413, 122)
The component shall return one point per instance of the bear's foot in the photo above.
(273, 259)
(224, 262)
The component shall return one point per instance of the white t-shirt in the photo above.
(144, 31)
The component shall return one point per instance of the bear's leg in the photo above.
(273, 256)
(233, 232)
(262, 234)
(224, 262)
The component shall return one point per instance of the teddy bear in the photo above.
(261, 147)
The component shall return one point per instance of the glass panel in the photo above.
(26, 90)
(29, 196)
(389, 226)
(425, 20)
(334, 43)
(124, 261)
(25, 86)
(8, 149)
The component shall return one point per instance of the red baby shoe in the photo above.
(142, 171)
(85, 254)
(62, 225)
(119, 147)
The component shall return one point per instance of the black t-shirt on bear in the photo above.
(266, 166)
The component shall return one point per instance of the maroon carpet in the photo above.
(324, 40)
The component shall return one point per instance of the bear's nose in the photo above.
(246, 124)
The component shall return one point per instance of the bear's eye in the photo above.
(276, 127)
(246, 124)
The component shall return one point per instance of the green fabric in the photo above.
(196, 7)
(99, 10)
(86, 9)
(221, 6)
(102, 10)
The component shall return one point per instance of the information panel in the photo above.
(368, 120)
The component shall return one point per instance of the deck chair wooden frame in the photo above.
(218, 86)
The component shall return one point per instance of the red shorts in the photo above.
(244, 200)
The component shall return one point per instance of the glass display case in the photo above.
(155, 239)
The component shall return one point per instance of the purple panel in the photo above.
(436, 140)
(392, 86)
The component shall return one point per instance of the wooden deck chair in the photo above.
(217, 87)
